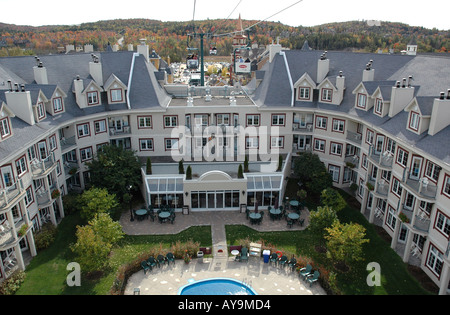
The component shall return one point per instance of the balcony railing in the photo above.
(10, 193)
(308, 128)
(40, 168)
(420, 221)
(68, 144)
(422, 187)
(381, 159)
(354, 137)
(124, 131)
(7, 238)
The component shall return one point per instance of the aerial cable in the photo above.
(248, 28)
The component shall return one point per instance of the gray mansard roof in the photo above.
(430, 77)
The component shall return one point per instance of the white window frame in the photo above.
(146, 144)
(83, 130)
(338, 125)
(336, 148)
(170, 121)
(92, 98)
(443, 224)
(278, 119)
(5, 129)
(435, 260)
(414, 121)
(57, 105)
(402, 157)
(304, 93)
(253, 120)
(361, 101)
(100, 126)
(145, 122)
(319, 145)
(116, 95)
(277, 142)
(86, 154)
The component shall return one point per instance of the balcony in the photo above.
(68, 144)
(308, 128)
(11, 194)
(420, 187)
(44, 167)
(384, 160)
(420, 222)
(125, 130)
(7, 239)
(354, 137)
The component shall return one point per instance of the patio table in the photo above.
(275, 213)
(294, 203)
(164, 214)
(141, 213)
(293, 216)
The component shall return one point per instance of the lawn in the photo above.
(46, 274)
(395, 278)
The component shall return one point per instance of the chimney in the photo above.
(440, 115)
(142, 49)
(273, 50)
(323, 67)
(369, 72)
(340, 86)
(40, 72)
(95, 70)
(19, 101)
(78, 87)
(401, 95)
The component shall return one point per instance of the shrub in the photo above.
(13, 283)
(45, 237)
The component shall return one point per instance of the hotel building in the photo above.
(378, 121)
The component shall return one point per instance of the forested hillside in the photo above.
(171, 38)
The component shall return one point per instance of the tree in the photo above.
(345, 241)
(312, 173)
(148, 167)
(333, 199)
(319, 220)
(92, 252)
(240, 171)
(180, 167)
(115, 169)
(246, 170)
(95, 201)
(94, 242)
(189, 173)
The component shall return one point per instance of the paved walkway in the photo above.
(216, 219)
(264, 278)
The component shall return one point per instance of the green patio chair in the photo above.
(292, 263)
(273, 258)
(160, 260)
(313, 278)
(243, 256)
(304, 272)
(145, 266)
(152, 262)
(170, 258)
(283, 261)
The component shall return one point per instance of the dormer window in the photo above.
(92, 98)
(327, 95)
(57, 105)
(414, 119)
(41, 110)
(116, 96)
(362, 100)
(378, 106)
(5, 130)
(304, 93)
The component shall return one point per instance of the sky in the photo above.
(429, 14)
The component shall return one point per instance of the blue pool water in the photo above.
(217, 286)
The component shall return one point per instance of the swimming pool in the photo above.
(216, 286)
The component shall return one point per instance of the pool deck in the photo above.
(264, 278)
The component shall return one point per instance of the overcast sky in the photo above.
(430, 13)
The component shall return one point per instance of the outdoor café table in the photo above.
(293, 216)
(235, 252)
(141, 213)
(164, 214)
(254, 217)
(294, 203)
(275, 212)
